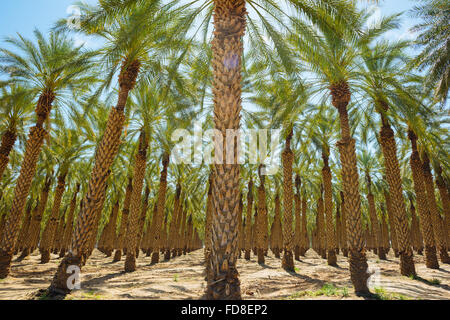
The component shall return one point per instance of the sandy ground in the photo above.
(183, 278)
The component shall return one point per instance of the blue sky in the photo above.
(24, 15)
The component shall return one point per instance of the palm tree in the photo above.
(66, 148)
(49, 67)
(17, 104)
(433, 38)
(381, 70)
(130, 41)
(367, 163)
(331, 54)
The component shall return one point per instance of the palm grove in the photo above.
(86, 147)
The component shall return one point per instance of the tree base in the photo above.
(443, 255)
(225, 286)
(155, 258)
(358, 271)
(130, 263)
(288, 261)
(331, 259)
(261, 259)
(117, 256)
(61, 281)
(45, 256)
(407, 267)
(167, 255)
(247, 254)
(381, 254)
(5, 264)
(431, 260)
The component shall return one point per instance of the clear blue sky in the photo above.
(24, 15)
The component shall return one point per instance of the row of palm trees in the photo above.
(164, 74)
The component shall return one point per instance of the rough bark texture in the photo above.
(298, 223)
(104, 157)
(70, 219)
(135, 209)
(392, 229)
(277, 229)
(51, 227)
(374, 221)
(248, 226)
(344, 226)
(389, 148)
(157, 243)
(28, 169)
(208, 224)
(436, 221)
(321, 227)
(8, 140)
(261, 228)
(227, 47)
(120, 243)
(328, 196)
(287, 158)
(445, 199)
(340, 93)
(305, 240)
(426, 226)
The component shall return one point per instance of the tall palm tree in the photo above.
(381, 70)
(16, 108)
(49, 66)
(331, 54)
(131, 44)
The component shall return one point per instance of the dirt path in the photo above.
(183, 278)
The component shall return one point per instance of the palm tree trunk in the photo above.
(436, 221)
(69, 224)
(277, 227)
(261, 228)
(298, 224)
(105, 155)
(123, 222)
(28, 169)
(374, 221)
(389, 149)
(415, 231)
(443, 192)
(288, 196)
(208, 224)
(112, 228)
(8, 140)
(321, 226)
(305, 239)
(157, 243)
(340, 93)
(133, 220)
(248, 226)
(50, 229)
(174, 223)
(227, 49)
(241, 231)
(143, 220)
(426, 226)
(328, 196)
(392, 229)
(344, 227)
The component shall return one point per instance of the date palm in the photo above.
(50, 66)
(331, 52)
(16, 109)
(381, 69)
(131, 44)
